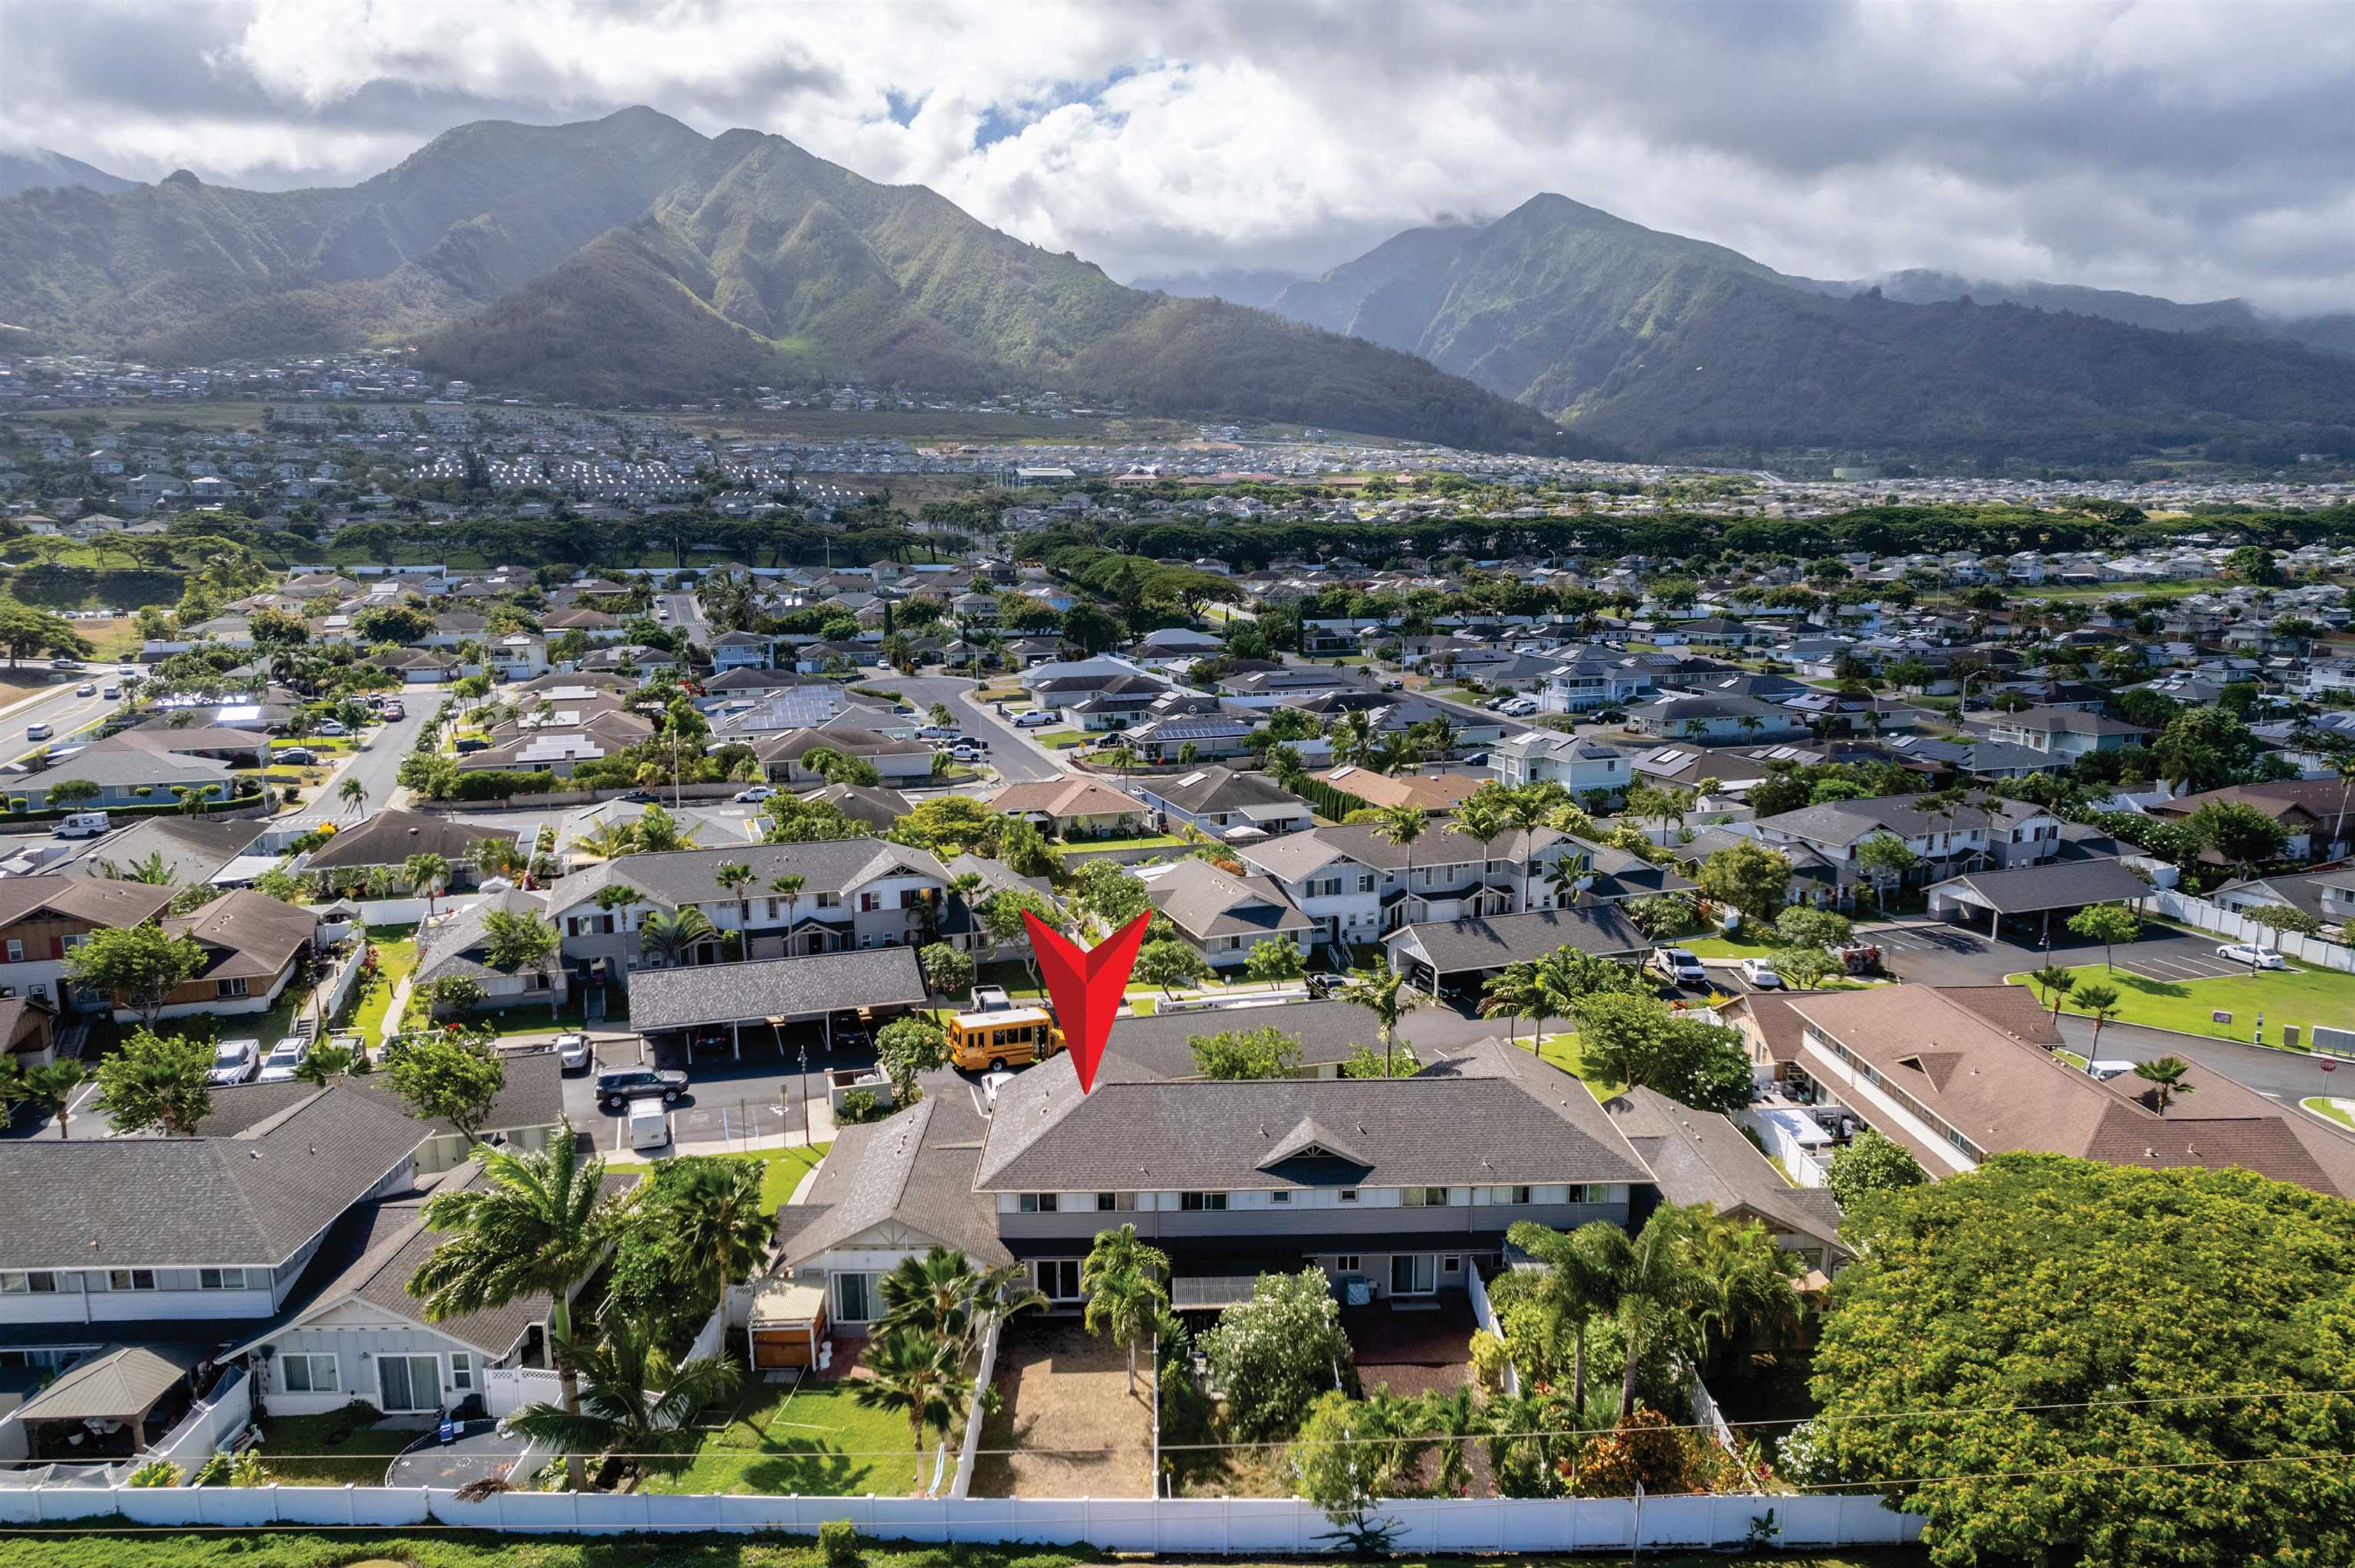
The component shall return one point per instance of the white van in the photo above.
(649, 1124)
(82, 826)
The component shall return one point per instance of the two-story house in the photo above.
(1997, 833)
(2063, 734)
(43, 918)
(1223, 916)
(1356, 885)
(1581, 767)
(854, 892)
(1227, 804)
(1714, 719)
(1372, 1180)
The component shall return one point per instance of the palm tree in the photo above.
(1354, 739)
(734, 876)
(328, 1062)
(154, 871)
(1402, 825)
(1563, 879)
(922, 1379)
(50, 1088)
(1383, 991)
(537, 1225)
(1527, 808)
(1508, 995)
(1121, 1281)
(716, 1218)
(2345, 764)
(2058, 983)
(632, 1403)
(607, 841)
(1482, 819)
(1742, 1281)
(1581, 1282)
(1556, 983)
(427, 874)
(354, 793)
(657, 832)
(1654, 1283)
(2166, 1076)
(672, 938)
(930, 1296)
(789, 888)
(2099, 1003)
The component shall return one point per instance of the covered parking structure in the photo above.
(771, 993)
(1460, 955)
(2035, 892)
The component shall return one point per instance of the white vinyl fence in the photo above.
(507, 1390)
(207, 1426)
(971, 1449)
(1194, 1527)
(1484, 1313)
(2237, 927)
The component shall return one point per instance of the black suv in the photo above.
(617, 1086)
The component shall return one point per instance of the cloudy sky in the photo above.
(2186, 149)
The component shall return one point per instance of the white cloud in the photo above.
(2191, 149)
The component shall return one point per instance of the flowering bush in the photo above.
(1272, 1355)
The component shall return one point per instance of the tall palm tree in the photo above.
(1581, 1282)
(1655, 1283)
(1355, 738)
(1556, 983)
(2058, 983)
(632, 1404)
(51, 1089)
(1508, 995)
(427, 874)
(2165, 1076)
(673, 937)
(922, 1379)
(536, 1224)
(930, 1296)
(328, 1062)
(714, 1218)
(1562, 877)
(1402, 825)
(789, 888)
(1383, 991)
(1482, 819)
(1527, 808)
(2100, 1002)
(1121, 1281)
(354, 793)
(734, 876)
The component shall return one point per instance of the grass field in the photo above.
(2123, 591)
(2330, 1110)
(2291, 996)
(444, 1548)
(1150, 840)
(329, 1451)
(815, 1439)
(783, 1172)
(396, 955)
(1563, 1051)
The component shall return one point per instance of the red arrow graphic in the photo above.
(1086, 985)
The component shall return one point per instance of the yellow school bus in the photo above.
(1008, 1037)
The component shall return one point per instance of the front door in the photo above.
(1058, 1277)
(1415, 1274)
(409, 1382)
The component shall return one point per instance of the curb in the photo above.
(2214, 1039)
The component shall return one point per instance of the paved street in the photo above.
(1017, 757)
(379, 766)
(60, 708)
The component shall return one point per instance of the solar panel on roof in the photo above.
(1191, 779)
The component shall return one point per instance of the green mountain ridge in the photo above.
(33, 168)
(631, 258)
(1671, 345)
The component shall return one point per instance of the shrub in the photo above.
(858, 1107)
(838, 1542)
(1272, 1355)
(1489, 1359)
(213, 1472)
(158, 1472)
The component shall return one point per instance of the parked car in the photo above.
(936, 732)
(395, 710)
(2256, 957)
(1761, 974)
(1678, 966)
(1037, 718)
(1322, 985)
(291, 1052)
(572, 1052)
(649, 1124)
(617, 1086)
(87, 689)
(1520, 707)
(234, 1060)
(991, 999)
(300, 755)
(331, 727)
(467, 742)
(755, 795)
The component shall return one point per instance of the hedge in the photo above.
(1331, 802)
(168, 808)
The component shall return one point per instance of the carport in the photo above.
(772, 993)
(1462, 954)
(2063, 887)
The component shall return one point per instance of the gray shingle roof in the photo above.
(684, 876)
(1204, 901)
(1489, 944)
(389, 838)
(1220, 790)
(2064, 885)
(915, 1167)
(533, 1096)
(774, 987)
(1157, 1046)
(1700, 1157)
(252, 1198)
(1213, 1136)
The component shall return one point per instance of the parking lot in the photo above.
(727, 1100)
(1931, 953)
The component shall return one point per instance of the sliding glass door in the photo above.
(409, 1382)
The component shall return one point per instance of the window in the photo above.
(131, 1280)
(1591, 1192)
(461, 1368)
(1451, 1266)
(852, 1294)
(1366, 882)
(37, 1282)
(1107, 1201)
(234, 986)
(1345, 1264)
(1423, 1197)
(222, 1279)
(1035, 1203)
(1201, 1203)
(1279, 1198)
(829, 900)
(1512, 1194)
(1058, 1277)
(16, 951)
(303, 1372)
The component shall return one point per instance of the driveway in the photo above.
(725, 1098)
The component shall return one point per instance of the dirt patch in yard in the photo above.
(1066, 1411)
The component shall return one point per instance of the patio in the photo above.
(1414, 1344)
(1065, 1410)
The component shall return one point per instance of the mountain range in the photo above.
(1673, 345)
(631, 258)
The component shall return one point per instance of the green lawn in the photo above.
(786, 1168)
(395, 956)
(1750, 941)
(2292, 996)
(815, 1439)
(1563, 1051)
(2320, 1106)
(1059, 738)
(1150, 840)
(297, 1450)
